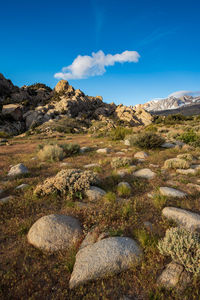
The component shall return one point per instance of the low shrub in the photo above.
(119, 133)
(190, 137)
(118, 162)
(51, 152)
(70, 149)
(183, 247)
(70, 181)
(110, 197)
(147, 140)
(176, 163)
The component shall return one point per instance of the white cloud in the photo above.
(86, 66)
(184, 93)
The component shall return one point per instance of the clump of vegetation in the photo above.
(118, 162)
(186, 156)
(51, 152)
(171, 119)
(146, 140)
(151, 128)
(159, 201)
(123, 190)
(70, 149)
(190, 137)
(183, 247)
(4, 134)
(119, 133)
(176, 163)
(37, 86)
(110, 197)
(69, 181)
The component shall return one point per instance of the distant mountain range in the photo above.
(175, 104)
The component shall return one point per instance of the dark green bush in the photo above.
(147, 140)
(190, 137)
(70, 149)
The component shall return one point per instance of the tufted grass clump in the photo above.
(146, 140)
(176, 163)
(110, 197)
(51, 152)
(183, 247)
(71, 181)
(123, 190)
(118, 162)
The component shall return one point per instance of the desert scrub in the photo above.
(70, 149)
(190, 137)
(146, 140)
(118, 162)
(186, 156)
(119, 133)
(176, 163)
(183, 246)
(69, 181)
(51, 152)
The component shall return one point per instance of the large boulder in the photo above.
(13, 111)
(106, 257)
(185, 218)
(55, 232)
(61, 86)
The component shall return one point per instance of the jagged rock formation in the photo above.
(30, 106)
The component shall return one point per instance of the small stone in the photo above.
(120, 153)
(65, 164)
(145, 173)
(169, 278)
(94, 193)
(171, 192)
(127, 142)
(89, 166)
(54, 232)
(6, 199)
(22, 186)
(141, 155)
(168, 145)
(84, 149)
(19, 169)
(103, 151)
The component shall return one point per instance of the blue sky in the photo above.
(39, 38)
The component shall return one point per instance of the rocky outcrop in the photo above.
(36, 104)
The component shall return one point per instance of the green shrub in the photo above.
(70, 149)
(147, 140)
(51, 152)
(119, 133)
(183, 246)
(4, 134)
(118, 162)
(190, 137)
(151, 128)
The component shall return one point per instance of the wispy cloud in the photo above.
(184, 93)
(87, 66)
(156, 35)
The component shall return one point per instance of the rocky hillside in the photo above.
(171, 103)
(27, 107)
